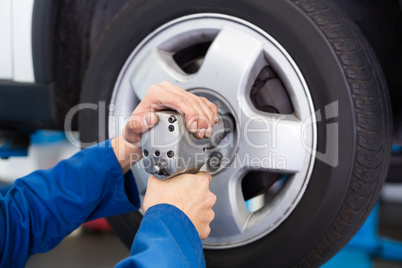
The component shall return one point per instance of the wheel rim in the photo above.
(280, 143)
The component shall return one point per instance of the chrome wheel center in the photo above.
(224, 154)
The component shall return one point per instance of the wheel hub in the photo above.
(224, 154)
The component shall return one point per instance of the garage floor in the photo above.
(98, 250)
(85, 250)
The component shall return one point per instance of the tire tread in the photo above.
(372, 116)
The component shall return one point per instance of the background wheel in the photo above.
(305, 78)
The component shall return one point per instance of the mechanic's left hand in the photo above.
(200, 114)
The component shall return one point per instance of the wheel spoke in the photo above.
(273, 143)
(231, 213)
(155, 67)
(231, 64)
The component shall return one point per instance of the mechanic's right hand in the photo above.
(189, 193)
(200, 114)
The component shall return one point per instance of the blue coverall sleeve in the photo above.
(45, 206)
(166, 238)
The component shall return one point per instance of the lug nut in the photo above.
(171, 128)
(214, 161)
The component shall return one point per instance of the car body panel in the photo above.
(16, 49)
(6, 58)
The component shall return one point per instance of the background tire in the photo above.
(338, 66)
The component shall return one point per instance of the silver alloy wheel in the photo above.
(238, 52)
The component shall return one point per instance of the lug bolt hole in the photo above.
(146, 153)
(157, 153)
(171, 128)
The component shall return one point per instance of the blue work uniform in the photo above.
(45, 206)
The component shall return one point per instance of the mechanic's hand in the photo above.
(200, 114)
(190, 193)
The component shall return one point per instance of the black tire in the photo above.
(338, 65)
